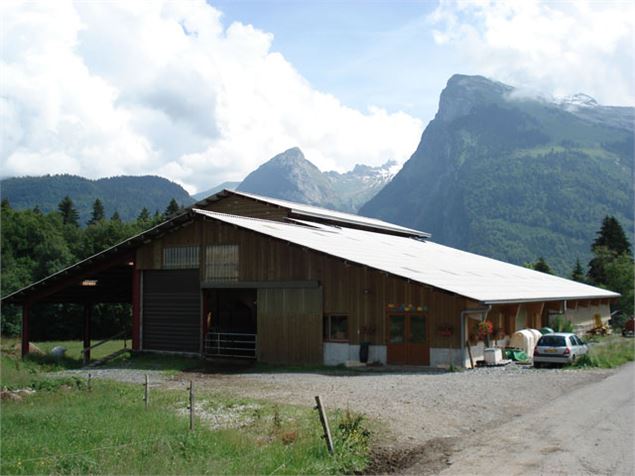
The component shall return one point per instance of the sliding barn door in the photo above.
(290, 325)
(171, 311)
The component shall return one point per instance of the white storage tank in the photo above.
(525, 339)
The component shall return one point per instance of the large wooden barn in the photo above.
(246, 276)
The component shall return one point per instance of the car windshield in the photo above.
(552, 341)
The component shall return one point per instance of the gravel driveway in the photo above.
(417, 406)
(425, 416)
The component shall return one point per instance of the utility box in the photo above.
(492, 356)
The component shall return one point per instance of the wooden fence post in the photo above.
(191, 406)
(469, 351)
(146, 391)
(325, 424)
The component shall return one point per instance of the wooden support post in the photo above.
(325, 424)
(204, 320)
(469, 352)
(88, 312)
(136, 309)
(26, 314)
(191, 407)
(146, 392)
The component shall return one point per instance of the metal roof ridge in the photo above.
(296, 223)
(343, 216)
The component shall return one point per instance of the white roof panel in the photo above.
(470, 275)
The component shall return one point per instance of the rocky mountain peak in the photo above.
(462, 92)
(289, 157)
(578, 100)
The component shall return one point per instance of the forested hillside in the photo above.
(126, 195)
(36, 244)
(515, 178)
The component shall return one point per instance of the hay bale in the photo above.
(33, 349)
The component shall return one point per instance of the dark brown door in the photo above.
(408, 339)
(171, 319)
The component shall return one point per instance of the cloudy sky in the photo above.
(205, 92)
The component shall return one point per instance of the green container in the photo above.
(516, 355)
(546, 330)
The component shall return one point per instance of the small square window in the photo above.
(336, 327)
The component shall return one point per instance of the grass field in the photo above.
(65, 428)
(73, 348)
(608, 352)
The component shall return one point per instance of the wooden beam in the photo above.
(260, 284)
(26, 314)
(136, 309)
(88, 313)
(67, 278)
(204, 321)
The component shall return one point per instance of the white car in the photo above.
(560, 348)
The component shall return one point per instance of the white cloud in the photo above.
(558, 47)
(107, 88)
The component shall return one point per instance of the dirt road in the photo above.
(589, 430)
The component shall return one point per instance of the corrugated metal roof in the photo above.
(467, 274)
(301, 209)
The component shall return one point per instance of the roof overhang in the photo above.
(108, 266)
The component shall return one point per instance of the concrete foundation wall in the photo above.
(336, 353)
(443, 357)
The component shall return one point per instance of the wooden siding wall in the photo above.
(290, 325)
(357, 291)
(236, 205)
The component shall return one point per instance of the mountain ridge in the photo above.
(513, 178)
(290, 176)
(126, 194)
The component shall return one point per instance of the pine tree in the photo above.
(171, 209)
(68, 212)
(98, 212)
(610, 244)
(578, 273)
(542, 266)
(144, 216)
(611, 235)
(115, 217)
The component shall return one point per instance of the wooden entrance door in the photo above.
(407, 340)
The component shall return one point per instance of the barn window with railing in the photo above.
(221, 263)
(180, 257)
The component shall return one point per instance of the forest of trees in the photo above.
(611, 267)
(36, 244)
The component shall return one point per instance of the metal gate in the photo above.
(171, 311)
(230, 344)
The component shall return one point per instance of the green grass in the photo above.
(68, 429)
(74, 348)
(608, 352)
(73, 357)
